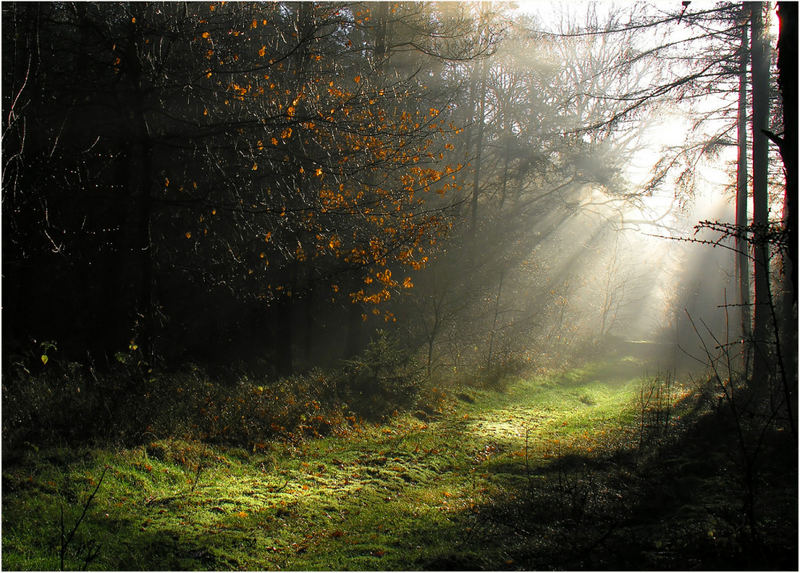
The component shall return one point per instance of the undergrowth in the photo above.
(52, 403)
(578, 470)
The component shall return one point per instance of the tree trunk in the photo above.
(494, 321)
(433, 332)
(140, 169)
(480, 116)
(284, 332)
(742, 246)
(382, 17)
(787, 82)
(302, 27)
(506, 161)
(355, 327)
(759, 56)
(480, 106)
(308, 335)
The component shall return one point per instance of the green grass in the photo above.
(408, 494)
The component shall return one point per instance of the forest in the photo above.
(399, 285)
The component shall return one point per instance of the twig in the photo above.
(787, 393)
(67, 539)
(283, 486)
(11, 113)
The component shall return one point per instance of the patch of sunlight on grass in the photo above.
(585, 410)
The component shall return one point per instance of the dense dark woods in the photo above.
(232, 231)
(214, 169)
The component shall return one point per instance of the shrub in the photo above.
(500, 373)
(47, 399)
(53, 403)
(382, 379)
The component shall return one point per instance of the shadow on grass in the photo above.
(677, 506)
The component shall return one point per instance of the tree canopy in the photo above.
(276, 181)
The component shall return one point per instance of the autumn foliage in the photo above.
(260, 156)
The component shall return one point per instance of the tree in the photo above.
(759, 61)
(252, 154)
(787, 83)
(534, 176)
(742, 184)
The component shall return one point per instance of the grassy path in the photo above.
(418, 492)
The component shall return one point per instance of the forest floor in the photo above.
(548, 472)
